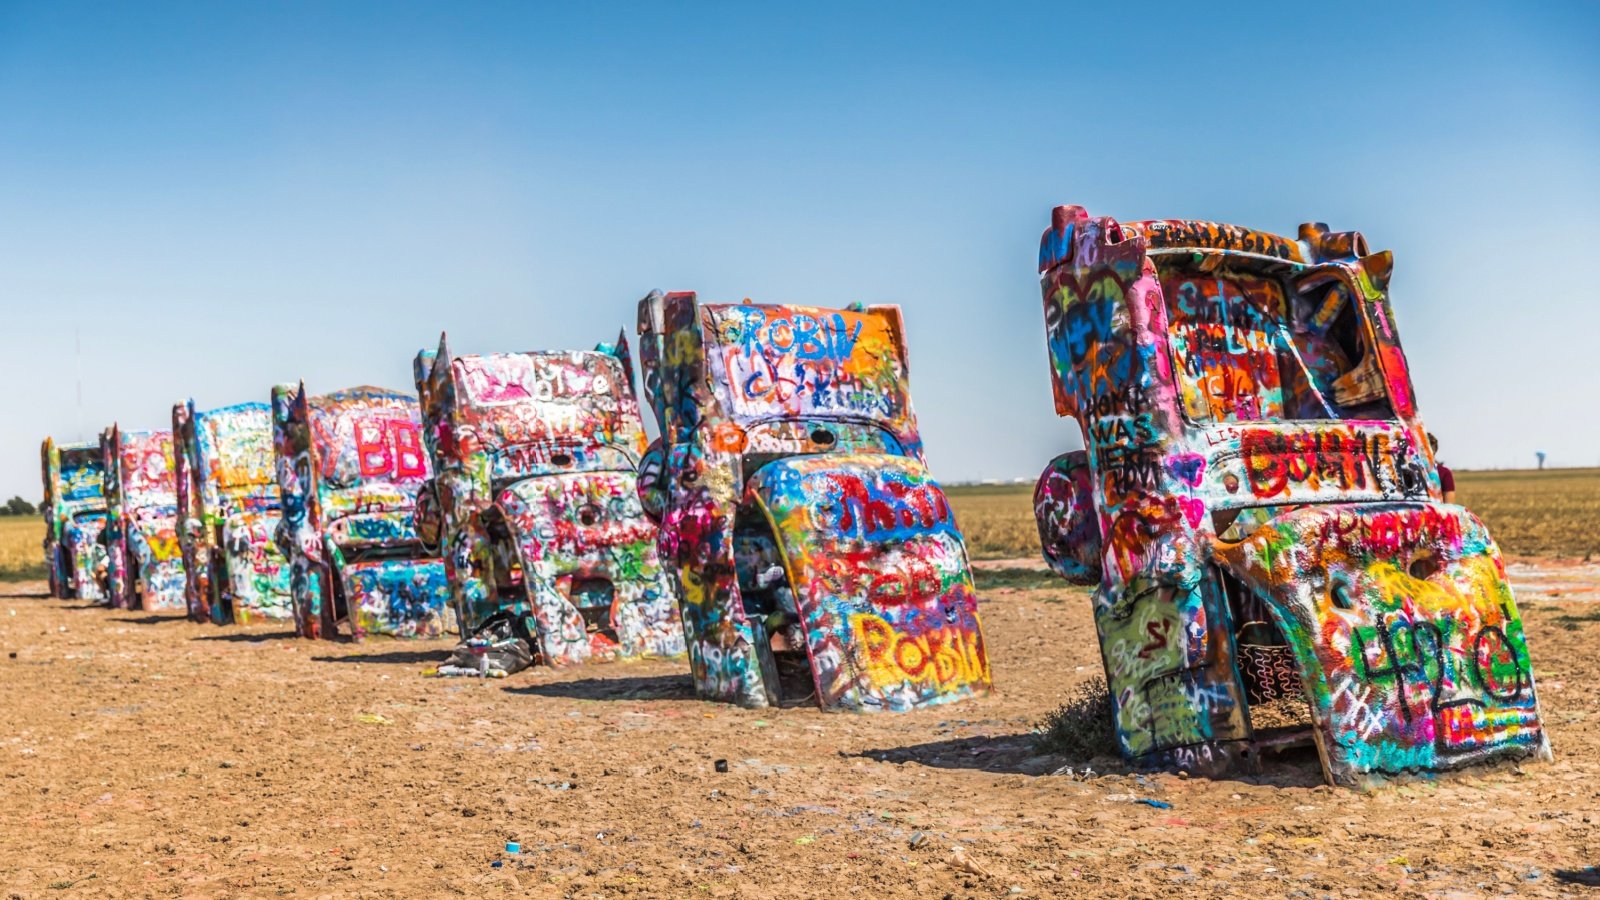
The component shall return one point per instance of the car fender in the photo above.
(1405, 631)
(880, 575)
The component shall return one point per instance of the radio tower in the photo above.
(77, 341)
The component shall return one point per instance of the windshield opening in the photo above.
(81, 475)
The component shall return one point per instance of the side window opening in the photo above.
(506, 563)
(1280, 712)
(1340, 373)
(771, 608)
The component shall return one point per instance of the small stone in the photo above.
(469, 812)
(960, 862)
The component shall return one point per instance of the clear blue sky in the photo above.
(226, 195)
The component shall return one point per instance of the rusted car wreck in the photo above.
(349, 466)
(144, 561)
(74, 510)
(536, 457)
(228, 510)
(1260, 508)
(816, 557)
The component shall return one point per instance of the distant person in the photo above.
(1447, 478)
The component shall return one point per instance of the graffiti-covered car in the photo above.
(815, 554)
(228, 513)
(74, 512)
(536, 457)
(1261, 510)
(144, 560)
(349, 466)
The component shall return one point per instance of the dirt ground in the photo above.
(144, 755)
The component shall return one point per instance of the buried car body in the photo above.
(144, 561)
(816, 556)
(349, 466)
(1261, 511)
(74, 511)
(538, 511)
(229, 510)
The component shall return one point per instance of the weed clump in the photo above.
(1018, 578)
(1083, 727)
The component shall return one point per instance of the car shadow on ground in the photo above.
(391, 657)
(1017, 754)
(156, 619)
(1007, 754)
(1588, 876)
(640, 687)
(248, 637)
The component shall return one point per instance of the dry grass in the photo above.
(1551, 513)
(1018, 578)
(21, 550)
(997, 520)
(1083, 728)
(1554, 513)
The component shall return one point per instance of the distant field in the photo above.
(1551, 513)
(997, 520)
(21, 550)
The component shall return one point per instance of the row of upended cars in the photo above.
(1256, 503)
(784, 533)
